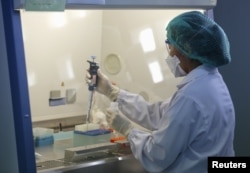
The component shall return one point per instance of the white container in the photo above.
(87, 127)
(42, 132)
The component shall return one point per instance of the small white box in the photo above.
(86, 127)
(42, 132)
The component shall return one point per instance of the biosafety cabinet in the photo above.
(47, 44)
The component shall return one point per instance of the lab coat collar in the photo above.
(196, 73)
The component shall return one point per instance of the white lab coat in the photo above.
(198, 122)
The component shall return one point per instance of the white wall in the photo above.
(57, 46)
(121, 36)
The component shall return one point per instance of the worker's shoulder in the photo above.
(203, 89)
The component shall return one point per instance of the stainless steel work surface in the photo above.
(52, 160)
(122, 164)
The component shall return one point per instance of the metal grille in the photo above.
(50, 164)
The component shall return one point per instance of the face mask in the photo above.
(173, 64)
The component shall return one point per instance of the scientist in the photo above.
(199, 119)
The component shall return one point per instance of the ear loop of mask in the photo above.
(168, 48)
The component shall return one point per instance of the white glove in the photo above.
(118, 122)
(104, 85)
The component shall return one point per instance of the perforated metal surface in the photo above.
(50, 164)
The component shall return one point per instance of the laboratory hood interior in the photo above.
(128, 45)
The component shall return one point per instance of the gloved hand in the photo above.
(104, 85)
(118, 122)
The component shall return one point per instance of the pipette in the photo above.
(93, 67)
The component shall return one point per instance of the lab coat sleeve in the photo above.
(158, 150)
(139, 111)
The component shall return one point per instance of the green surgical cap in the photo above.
(198, 37)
